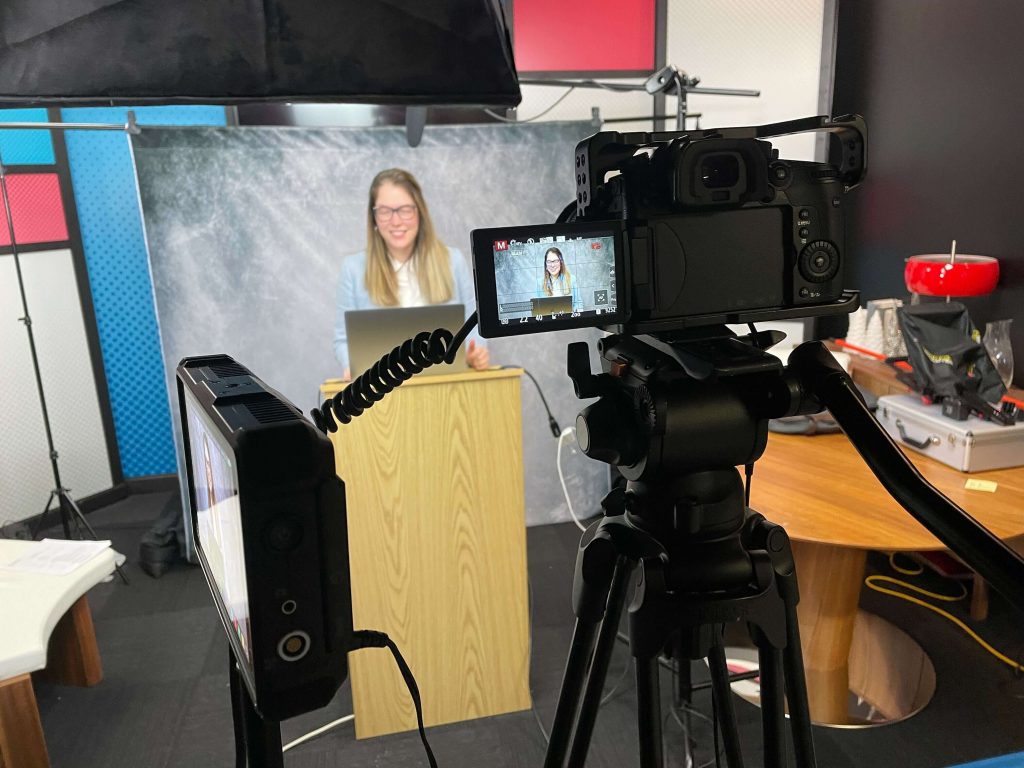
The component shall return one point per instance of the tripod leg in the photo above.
(584, 637)
(682, 692)
(796, 691)
(73, 510)
(599, 666)
(773, 715)
(42, 517)
(648, 713)
(723, 702)
(67, 515)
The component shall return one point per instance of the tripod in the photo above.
(69, 509)
(677, 417)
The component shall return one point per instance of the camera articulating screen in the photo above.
(547, 278)
(577, 278)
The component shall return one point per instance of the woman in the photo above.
(556, 280)
(404, 264)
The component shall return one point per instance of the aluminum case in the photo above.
(973, 445)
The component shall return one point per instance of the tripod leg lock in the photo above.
(763, 534)
(595, 567)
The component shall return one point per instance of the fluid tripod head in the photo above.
(688, 403)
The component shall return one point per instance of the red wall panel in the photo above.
(583, 35)
(36, 208)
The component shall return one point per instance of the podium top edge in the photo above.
(331, 386)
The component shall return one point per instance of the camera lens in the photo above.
(720, 171)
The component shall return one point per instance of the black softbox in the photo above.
(411, 52)
(946, 352)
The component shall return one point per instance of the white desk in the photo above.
(41, 611)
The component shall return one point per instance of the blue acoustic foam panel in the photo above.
(1016, 760)
(25, 147)
(103, 179)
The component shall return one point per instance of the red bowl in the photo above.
(932, 274)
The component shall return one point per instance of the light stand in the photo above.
(69, 510)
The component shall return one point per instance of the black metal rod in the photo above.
(979, 548)
(584, 637)
(27, 320)
(722, 691)
(773, 709)
(682, 679)
(73, 512)
(796, 691)
(599, 667)
(648, 713)
(257, 741)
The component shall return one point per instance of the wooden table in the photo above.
(835, 510)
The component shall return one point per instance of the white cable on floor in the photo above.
(317, 732)
(558, 463)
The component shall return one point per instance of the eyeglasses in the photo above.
(552, 261)
(383, 213)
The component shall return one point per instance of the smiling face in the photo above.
(552, 263)
(392, 204)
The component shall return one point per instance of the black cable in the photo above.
(399, 365)
(749, 471)
(552, 424)
(368, 638)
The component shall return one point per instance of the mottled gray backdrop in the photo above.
(246, 228)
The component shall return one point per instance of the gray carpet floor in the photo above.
(164, 700)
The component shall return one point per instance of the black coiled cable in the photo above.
(400, 364)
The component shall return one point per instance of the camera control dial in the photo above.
(819, 261)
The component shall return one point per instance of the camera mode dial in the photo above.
(819, 261)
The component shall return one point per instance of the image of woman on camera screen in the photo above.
(556, 279)
(405, 264)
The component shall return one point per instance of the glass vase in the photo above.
(997, 343)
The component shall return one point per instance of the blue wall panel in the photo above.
(25, 147)
(115, 252)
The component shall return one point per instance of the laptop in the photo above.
(374, 332)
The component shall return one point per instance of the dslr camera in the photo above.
(674, 230)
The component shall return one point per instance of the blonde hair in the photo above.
(563, 272)
(433, 267)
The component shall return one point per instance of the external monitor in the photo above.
(268, 513)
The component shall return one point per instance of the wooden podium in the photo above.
(437, 540)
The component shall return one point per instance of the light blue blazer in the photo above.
(352, 295)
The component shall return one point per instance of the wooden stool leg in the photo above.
(72, 655)
(830, 582)
(979, 598)
(22, 744)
